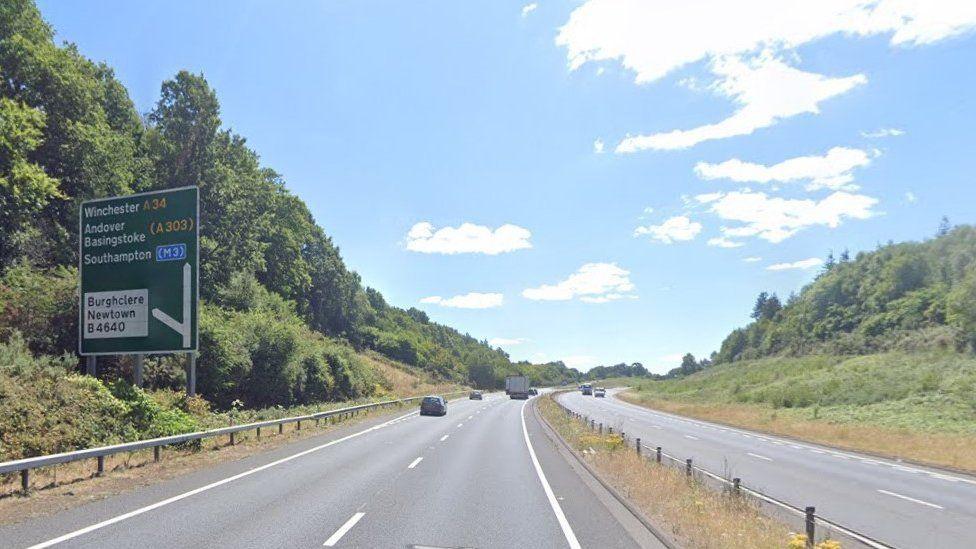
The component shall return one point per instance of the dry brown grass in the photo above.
(401, 380)
(956, 451)
(692, 513)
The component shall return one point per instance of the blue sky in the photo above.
(386, 115)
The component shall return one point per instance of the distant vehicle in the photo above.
(600, 392)
(475, 395)
(587, 389)
(433, 406)
(533, 391)
(517, 387)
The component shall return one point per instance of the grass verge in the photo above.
(694, 515)
(915, 406)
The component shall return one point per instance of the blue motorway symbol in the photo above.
(171, 252)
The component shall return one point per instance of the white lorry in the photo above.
(517, 387)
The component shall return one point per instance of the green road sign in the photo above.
(138, 258)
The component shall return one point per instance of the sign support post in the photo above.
(137, 373)
(191, 374)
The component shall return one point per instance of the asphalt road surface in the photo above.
(900, 504)
(473, 478)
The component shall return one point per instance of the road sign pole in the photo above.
(90, 365)
(138, 369)
(191, 374)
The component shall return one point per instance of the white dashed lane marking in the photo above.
(913, 500)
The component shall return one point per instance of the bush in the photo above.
(44, 409)
(267, 356)
(42, 304)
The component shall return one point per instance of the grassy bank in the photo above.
(918, 406)
(46, 407)
(694, 515)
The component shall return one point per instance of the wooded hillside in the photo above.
(907, 296)
(282, 313)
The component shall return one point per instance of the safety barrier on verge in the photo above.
(811, 519)
(24, 466)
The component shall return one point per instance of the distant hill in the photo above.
(907, 296)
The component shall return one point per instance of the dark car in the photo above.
(433, 406)
(533, 391)
(475, 395)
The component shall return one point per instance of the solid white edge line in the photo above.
(556, 509)
(343, 530)
(415, 462)
(691, 437)
(443, 438)
(913, 500)
(195, 491)
(759, 456)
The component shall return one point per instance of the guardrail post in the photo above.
(299, 426)
(735, 485)
(811, 525)
(609, 430)
(688, 467)
(658, 452)
(156, 453)
(638, 446)
(601, 427)
(25, 481)
(259, 433)
(281, 428)
(592, 425)
(233, 439)
(101, 466)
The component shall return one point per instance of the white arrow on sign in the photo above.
(182, 328)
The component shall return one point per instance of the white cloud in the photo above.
(473, 300)
(505, 341)
(883, 132)
(752, 259)
(678, 228)
(723, 242)
(776, 219)
(654, 38)
(598, 146)
(592, 283)
(707, 197)
(833, 170)
(910, 197)
(468, 238)
(529, 8)
(798, 265)
(606, 298)
(766, 89)
(580, 362)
